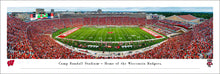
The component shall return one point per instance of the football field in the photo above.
(110, 34)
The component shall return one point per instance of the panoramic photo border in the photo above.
(194, 63)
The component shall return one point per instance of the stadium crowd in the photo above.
(162, 28)
(176, 23)
(17, 39)
(113, 21)
(31, 41)
(195, 44)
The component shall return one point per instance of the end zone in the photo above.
(68, 32)
(151, 32)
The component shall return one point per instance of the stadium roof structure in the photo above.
(187, 17)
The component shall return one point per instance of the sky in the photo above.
(147, 9)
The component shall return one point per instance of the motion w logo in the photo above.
(10, 62)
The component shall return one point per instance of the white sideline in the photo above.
(109, 54)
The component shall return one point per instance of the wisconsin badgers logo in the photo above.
(209, 62)
(10, 62)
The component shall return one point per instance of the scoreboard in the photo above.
(41, 16)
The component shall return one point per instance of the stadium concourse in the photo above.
(30, 40)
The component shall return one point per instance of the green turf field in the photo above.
(110, 34)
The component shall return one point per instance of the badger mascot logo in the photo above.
(209, 62)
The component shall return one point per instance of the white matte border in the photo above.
(51, 65)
